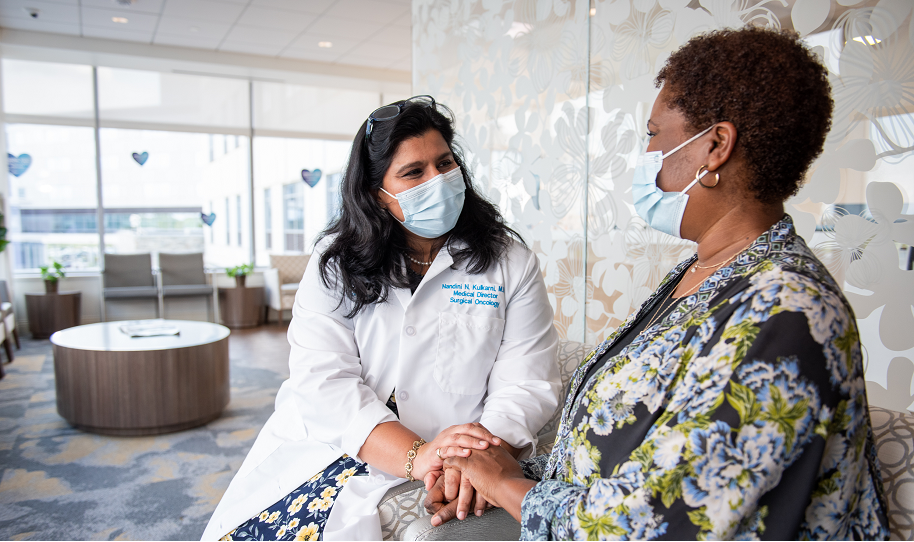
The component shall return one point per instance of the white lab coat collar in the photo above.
(442, 261)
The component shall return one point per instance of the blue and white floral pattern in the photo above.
(741, 414)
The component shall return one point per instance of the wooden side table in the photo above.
(241, 307)
(48, 313)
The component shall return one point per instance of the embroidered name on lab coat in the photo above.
(474, 294)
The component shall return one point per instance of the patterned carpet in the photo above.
(59, 483)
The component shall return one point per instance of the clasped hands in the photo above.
(481, 475)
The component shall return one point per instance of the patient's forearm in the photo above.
(510, 493)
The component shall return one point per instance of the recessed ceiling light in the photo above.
(121, 20)
(324, 44)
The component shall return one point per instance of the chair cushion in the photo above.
(894, 432)
(130, 292)
(183, 269)
(291, 267)
(493, 524)
(128, 271)
(289, 287)
(187, 290)
(570, 355)
(399, 507)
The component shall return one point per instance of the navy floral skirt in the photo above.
(302, 514)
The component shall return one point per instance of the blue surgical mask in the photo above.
(431, 209)
(662, 210)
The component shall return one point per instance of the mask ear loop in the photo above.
(699, 175)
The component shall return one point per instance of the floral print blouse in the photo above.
(742, 414)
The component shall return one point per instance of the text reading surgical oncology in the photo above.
(474, 294)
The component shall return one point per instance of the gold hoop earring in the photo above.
(699, 176)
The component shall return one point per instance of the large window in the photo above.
(175, 159)
(281, 166)
(52, 196)
(161, 194)
(267, 219)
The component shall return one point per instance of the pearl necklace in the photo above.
(417, 262)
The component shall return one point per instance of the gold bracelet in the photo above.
(410, 455)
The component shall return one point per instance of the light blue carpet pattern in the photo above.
(59, 483)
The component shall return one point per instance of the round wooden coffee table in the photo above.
(114, 384)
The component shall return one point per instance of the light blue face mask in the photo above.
(431, 209)
(662, 210)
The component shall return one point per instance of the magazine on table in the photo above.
(149, 328)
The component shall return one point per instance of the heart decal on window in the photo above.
(311, 177)
(18, 164)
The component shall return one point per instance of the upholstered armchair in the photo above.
(403, 516)
(281, 281)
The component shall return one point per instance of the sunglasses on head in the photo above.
(388, 112)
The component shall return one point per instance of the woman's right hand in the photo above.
(455, 441)
(445, 509)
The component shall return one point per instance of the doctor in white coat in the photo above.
(421, 327)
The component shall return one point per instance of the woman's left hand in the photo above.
(455, 440)
(494, 473)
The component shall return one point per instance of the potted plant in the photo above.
(51, 274)
(240, 273)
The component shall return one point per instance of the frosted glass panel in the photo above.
(169, 98)
(552, 98)
(297, 108)
(44, 88)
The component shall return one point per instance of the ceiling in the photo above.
(371, 33)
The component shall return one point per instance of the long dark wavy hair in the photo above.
(365, 257)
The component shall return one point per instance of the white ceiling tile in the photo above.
(186, 27)
(250, 48)
(394, 35)
(39, 26)
(306, 6)
(329, 28)
(260, 36)
(142, 6)
(280, 19)
(101, 18)
(309, 42)
(386, 53)
(374, 11)
(114, 34)
(203, 10)
(49, 12)
(197, 42)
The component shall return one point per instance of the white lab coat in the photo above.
(463, 348)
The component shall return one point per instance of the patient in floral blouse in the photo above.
(732, 404)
